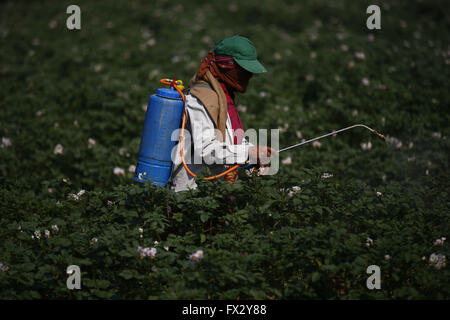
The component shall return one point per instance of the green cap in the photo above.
(242, 51)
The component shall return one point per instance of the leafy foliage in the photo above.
(296, 235)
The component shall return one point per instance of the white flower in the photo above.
(262, 94)
(394, 141)
(365, 81)
(47, 233)
(387, 257)
(288, 160)
(119, 171)
(3, 267)
(73, 196)
(242, 108)
(326, 175)
(411, 144)
(76, 196)
(37, 234)
(166, 248)
(366, 146)
(433, 258)
(151, 42)
(316, 144)
(91, 143)
(437, 261)
(369, 242)
(58, 149)
(360, 55)
(299, 134)
(344, 47)
(6, 142)
(140, 230)
(379, 194)
(294, 190)
(355, 113)
(196, 257)
(98, 67)
(436, 135)
(93, 240)
(151, 253)
(122, 151)
(39, 113)
(147, 252)
(132, 168)
(141, 252)
(75, 123)
(439, 242)
(55, 228)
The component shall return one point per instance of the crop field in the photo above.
(73, 105)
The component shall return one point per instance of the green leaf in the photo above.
(127, 274)
(315, 276)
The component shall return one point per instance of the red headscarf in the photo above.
(226, 70)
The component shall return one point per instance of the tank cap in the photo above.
(168, 93)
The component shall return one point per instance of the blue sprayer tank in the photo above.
(163, 116)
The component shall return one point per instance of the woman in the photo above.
(216, 131)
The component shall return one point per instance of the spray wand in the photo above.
(379, 135)
(333, 133)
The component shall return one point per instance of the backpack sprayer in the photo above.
(165, 111)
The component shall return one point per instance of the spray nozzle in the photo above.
(382, 137)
